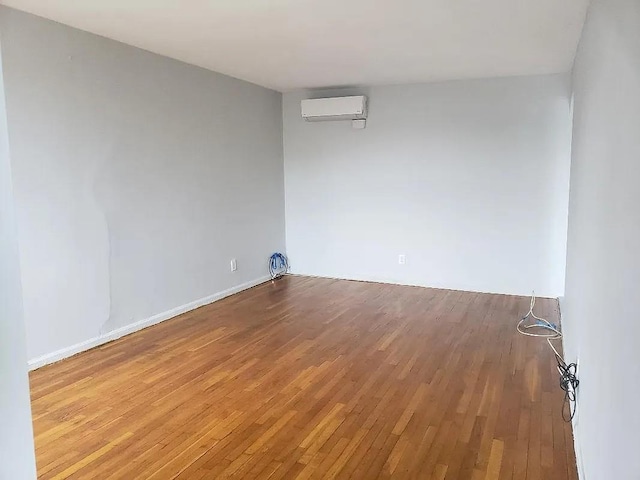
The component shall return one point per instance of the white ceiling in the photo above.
(291, 44)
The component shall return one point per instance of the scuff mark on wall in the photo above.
(101, 195)
(104, 327)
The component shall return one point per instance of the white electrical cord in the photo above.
(568, 373)
(553, 334)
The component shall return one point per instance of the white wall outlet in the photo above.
(234, 265)
(402, 259)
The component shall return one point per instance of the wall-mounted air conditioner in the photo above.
(336, 108)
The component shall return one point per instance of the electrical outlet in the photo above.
(402, 259)
(234, 265)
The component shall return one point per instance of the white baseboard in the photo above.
(139, 325)
(387, 281)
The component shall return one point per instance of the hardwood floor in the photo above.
(313, 378)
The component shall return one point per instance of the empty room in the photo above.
(283, 239)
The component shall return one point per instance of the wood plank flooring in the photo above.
(313, 378)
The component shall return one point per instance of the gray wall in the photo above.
(16, 438)
(600, 315)
(468, 179)
(137, 178)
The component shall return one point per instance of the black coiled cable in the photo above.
(568, 383)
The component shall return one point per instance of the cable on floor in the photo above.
(542, 328)
(568, 383)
